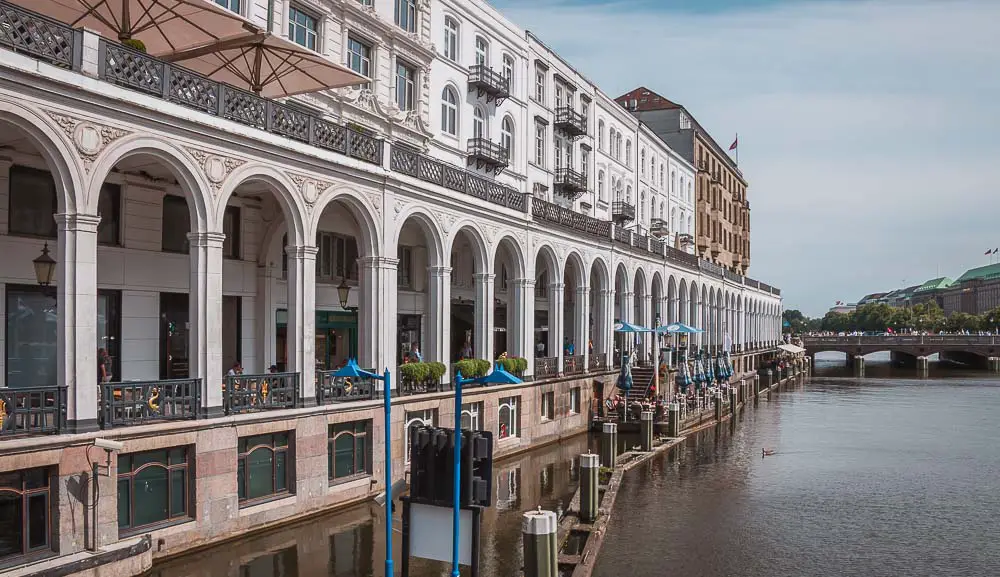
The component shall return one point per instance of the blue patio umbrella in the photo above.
(683, 378)
(624, 327)
(709, 373)
(499, 376)
(625, 378)
(352, 370)
(697, 372)
(678, 328)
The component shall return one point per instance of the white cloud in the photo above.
(868, 130)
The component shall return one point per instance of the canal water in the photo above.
(893, 475)
(350, 543)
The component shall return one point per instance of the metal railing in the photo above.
(486, 149)
(709, 267)
(546, 367)
(747, 281)
(598, 360)
(410, 162)
(572, 364)
(132, 69)
(623, 235)
(640, 241)
(623, 211)
(136, 402)
(32, 410)
(567, 217)
(488, 80)
(251, 393)
(961, 340)
(656, 246)
(571, 121)
(677, 256)
(331, 389)
(730, 275)
(570, 183)
(39, 36)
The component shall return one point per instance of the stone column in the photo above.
(521, 338)
(377, 312)
(556, 328)
(581, 333)
(483, 333)
(439, 314)
(205, 317)
(648, 339)
(301, 331)
(605, 325)
(625, 316)
(76, 339)
(264, 316)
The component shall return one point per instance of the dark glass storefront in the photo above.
(336, 339)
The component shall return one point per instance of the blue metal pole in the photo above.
(457, 485)
(387, 380)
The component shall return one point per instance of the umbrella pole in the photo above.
(125, 32)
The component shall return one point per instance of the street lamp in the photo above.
(45, 267)
(499, 376)
(343, 291)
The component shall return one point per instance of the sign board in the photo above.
(430, 527)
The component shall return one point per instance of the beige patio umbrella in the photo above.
(267, 64)
(164, 26)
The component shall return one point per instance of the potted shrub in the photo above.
(134, 44)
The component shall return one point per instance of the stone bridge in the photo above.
(906, 349)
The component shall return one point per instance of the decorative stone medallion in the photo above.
(216, 167)
(89, 138)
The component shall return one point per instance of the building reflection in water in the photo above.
(349, 543)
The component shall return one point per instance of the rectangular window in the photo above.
(153, 487)
(548, 405)
(32, 202)
(574, 400)
(31, 337)
(585, 163)
(559, 95)
(109, 207)
(302, 27)
(264, 467)
(404, 278)
(176, 224)
(540, 86)
(472, 416)
(349, 450)
(405, 78)
(406, 15)
(426, 417)
(25, 512)
(540, 144)
(233, 5)
(337, 257)
(510, 417)
(231, 227)
(359, 57)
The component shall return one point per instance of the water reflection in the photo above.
(350, 543)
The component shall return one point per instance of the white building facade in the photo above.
(477, 194)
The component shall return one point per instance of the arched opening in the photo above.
(472, 306)
(575, 315)
(600, 313)
(548, 312)
(509, 282)
(423, 292)
(623, 311)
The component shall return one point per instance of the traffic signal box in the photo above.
(432, 461)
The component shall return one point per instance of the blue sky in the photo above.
(869, 130)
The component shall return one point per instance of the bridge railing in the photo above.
(901, 340)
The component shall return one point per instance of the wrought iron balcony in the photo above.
(622, 211)
(489, 83)
(570, 121)
(487, 154)
(570, 183)
(138, 402)
(32, 410)
(252, 393)
(658, 227)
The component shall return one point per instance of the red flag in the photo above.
(735, 142)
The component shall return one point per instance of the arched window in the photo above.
(600, 135)
(482, 51)
(478, 123)
(600, 184)
(628, 194)
(449, 111)
(690, 226)
(673, 182)
(673, 219)
(642, 205)
(451, 39)
(690, 194)
(661, 210)
(507, 138)
(652, 168)
(652, 206)
(508, 70)
(642, 162)
(628, 152)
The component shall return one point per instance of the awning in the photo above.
(791, 349)
(163, 26)
(269, 65)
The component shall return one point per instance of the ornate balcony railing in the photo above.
(640, 241)
(546, 367)
(682, 258)
(598, 361)
(410, 162)
(136, 402)
(39, 36)
(32, 410)
(570, 183)
(570, 121)
(331, 389)
(622, 211)
(751, 283)
(547, 211)
(730, 275)
(132, 69)
(485, 153)
(658, 227)
(709, 267)
(656, 246)
(572, 364)
(489, 83)
(252, 393)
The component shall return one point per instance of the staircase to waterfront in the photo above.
(642, 380)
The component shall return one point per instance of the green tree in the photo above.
(797, 322)
(901, 319)
(959, 321)
(990, 320)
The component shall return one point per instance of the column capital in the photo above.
(627, 295)
(302, 251)
(485, 276)
(582, 289)
(607, 292)
(557, 286)
(77, 221)
(439, 271)
(206, 239)
(522, 282)
(372, 262)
